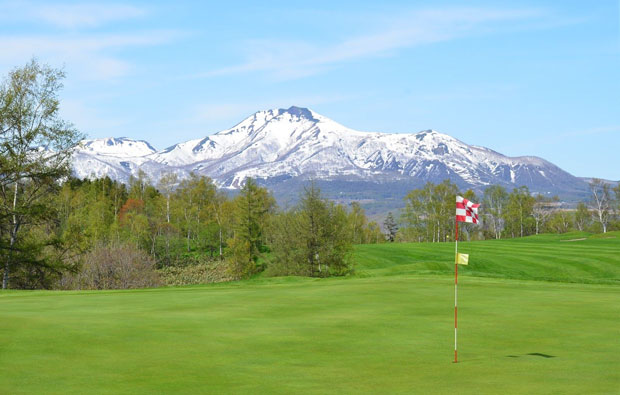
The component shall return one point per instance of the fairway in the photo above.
(572, 257)
(382, 331)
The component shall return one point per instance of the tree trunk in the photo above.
(14, 230)
(188, 234)
(220, 242)
(168, 209)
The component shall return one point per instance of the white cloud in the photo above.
(69, 15)
(88, 55)
(295, 59)
(94, 56)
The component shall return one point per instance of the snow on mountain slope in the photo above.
(280, 144)
(121, 146)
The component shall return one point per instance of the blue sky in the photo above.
(523, 78)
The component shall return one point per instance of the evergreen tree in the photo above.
(252, 208)
(390, 227)
(313, 239)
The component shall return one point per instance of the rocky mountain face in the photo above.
(285, 147)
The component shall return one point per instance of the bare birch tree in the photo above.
(601, 202)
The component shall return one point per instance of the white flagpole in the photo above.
(456, 275)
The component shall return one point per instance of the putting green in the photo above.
(373, 335)
(389, 329)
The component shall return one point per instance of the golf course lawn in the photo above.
(572, 257)
(378, 332)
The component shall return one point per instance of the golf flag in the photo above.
(466, 211)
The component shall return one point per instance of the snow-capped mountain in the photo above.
(280, 145)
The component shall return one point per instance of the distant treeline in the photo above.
(174, 227)
(429, 213)
(96, 234)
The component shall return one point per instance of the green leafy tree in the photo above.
(494, 202)
(313, 239)
(253, 206)
(582, 216)
(374, 235)
(197, 196)
(559, 221)
(222, 210)
(467, 228)
(431, 209)
(314, 227)
(358, 222)
(35, 149)
(518, 214)
(416, 215)
(543, 209)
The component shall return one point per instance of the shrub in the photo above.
(114, 267)
(200, 273)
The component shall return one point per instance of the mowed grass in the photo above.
(375, 334)
(573, 257)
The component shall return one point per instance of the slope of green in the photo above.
(574, 257)
(370, 335)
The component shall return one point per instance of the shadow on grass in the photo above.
(534, 354)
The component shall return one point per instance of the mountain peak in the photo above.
(299, 112)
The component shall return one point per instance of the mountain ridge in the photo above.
(297, 143)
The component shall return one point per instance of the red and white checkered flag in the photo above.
(466, 211)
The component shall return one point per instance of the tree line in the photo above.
(179, 224)
(428, 215)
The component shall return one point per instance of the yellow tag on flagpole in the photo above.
(463, 259)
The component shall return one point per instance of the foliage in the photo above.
(35, 148)
(429, 211)
(199, 273)
(601, 202)
(312, 239)
(543, 209)
(391, 228)
(114, 267)
(582, 216)
(518, 216)
(252, 209)
(493, 209)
